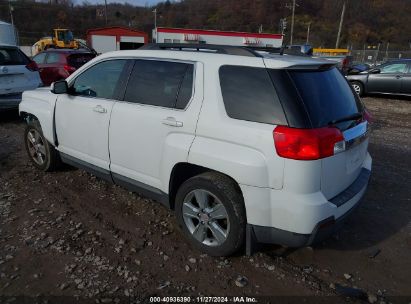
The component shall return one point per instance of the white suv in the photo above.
(17, 74)
(242, 145)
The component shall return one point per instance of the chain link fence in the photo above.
(374, 57)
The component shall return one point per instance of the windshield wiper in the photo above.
(354, 116)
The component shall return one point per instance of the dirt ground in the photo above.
(67, 234)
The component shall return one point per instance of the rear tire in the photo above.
(42, 154)
(210, 211)
(358, 88)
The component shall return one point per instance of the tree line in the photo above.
(366, 22)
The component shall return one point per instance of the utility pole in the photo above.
(105, 10)
(308, 33)
(292, 7)
(337, 44)
(11, 9)
(155, 25)
(292, 24)
(155, 18)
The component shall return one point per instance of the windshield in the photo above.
(326, 95)
(65, 35)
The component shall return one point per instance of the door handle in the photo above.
(398, 76)
(99, 109)
(171, 121)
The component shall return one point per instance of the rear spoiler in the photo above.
(313, 66)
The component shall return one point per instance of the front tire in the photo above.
(42, 154)
(210, 211)
(358, 88)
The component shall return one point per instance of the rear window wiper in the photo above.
(354, 116)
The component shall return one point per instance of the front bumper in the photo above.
(10, 101)
(323, 229)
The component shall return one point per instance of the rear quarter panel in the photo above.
(243, 150)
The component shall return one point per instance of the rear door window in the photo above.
(249, 94)
(39, 59)
(158, 83)
(326, 95)
(12, 56)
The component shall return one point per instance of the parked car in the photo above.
(17, 74)
(58, 64)
(298, 49)
(241, 145)
(344, 62)
(358, 67)
(392, 77)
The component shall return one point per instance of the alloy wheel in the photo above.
(36, 147)
(357, 88)
(205, 217)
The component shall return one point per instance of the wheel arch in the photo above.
(28, 117)
(183, 171)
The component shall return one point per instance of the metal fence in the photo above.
(378, 56)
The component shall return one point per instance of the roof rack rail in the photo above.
(219, 49)
(267, 49)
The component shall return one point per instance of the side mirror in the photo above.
(59, 87)
(375, 71)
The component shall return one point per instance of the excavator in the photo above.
(61, 38)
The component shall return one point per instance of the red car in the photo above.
(58, 64)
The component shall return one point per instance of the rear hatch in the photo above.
(15, 76)
(330, 102)
(325, 122)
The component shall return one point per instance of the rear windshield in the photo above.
(327, 96)
(12, 56)
(77, 60)
(297, 98)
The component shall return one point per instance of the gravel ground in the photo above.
(69, 234)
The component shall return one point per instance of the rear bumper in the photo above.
(10, 101)
(324, 228)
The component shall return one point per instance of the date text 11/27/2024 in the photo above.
(203, 299)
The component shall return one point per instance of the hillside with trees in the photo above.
(366, 21)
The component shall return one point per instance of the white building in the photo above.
(177, 35)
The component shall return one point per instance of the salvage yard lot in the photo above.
(68, 233)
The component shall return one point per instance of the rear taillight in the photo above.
(367, 116)
(69, 69)
(308, 144)
(345, 62)
(32, 66)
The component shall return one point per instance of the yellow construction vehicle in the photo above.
(61, 38)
